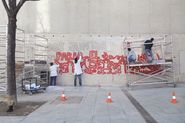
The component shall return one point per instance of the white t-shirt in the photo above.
(54, 70)
(77, 67)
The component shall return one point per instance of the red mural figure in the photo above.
(104, 64)
(149, 69)
(92, 64)
(65, 60)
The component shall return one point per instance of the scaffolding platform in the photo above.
(159, 71)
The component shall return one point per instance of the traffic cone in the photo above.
(63, 97)
(174, 101)
(109, 99)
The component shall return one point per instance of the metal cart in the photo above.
(30, 85)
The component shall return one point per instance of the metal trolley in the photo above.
(30, 85)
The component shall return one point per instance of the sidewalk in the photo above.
(88, 105)
(157, 103)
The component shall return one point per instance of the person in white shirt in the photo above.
(77, 70)
(131, 58)
(53, 73)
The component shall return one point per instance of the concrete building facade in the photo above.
(97, 28)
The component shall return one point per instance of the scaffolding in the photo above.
(159, 71)
(19, 55)
(30, 57)
(36, 59)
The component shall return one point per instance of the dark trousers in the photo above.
(53, 80)
(79, 78)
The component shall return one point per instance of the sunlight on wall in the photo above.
(43, 22)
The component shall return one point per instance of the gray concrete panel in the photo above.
(101, 16)
(160, 16)
(139, 16)
(177, 16)
(119, 16)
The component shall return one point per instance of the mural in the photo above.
(101, 64)
(149, 69)
(92, 63)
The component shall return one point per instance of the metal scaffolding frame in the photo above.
(36, 58)
(161, 70)
(19, 55)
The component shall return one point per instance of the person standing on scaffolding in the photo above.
(131, 58)
(148, 50)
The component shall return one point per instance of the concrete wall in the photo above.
(104, 17)
(112, 68)
(101, 16)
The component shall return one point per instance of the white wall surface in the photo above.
(104, 17)
(101, 16)
(113, 45)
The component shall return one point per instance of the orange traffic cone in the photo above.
(63, 97)
(109, 99)
(174, 101)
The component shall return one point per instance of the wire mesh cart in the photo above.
(30, 85)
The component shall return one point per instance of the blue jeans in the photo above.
(131, 59)
(79, 78)
(149, 55)
(53, 80)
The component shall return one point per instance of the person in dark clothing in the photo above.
(148, 49)
(148, 44)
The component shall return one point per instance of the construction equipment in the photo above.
(160, 70)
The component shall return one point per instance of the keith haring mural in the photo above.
(149, 69)
(92, 63)
(104, 63)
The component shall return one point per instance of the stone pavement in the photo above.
(88, 105)
(157, 103)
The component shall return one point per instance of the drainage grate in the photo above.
(70, 100)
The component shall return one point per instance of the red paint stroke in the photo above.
(91, 64)
(101, 64)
